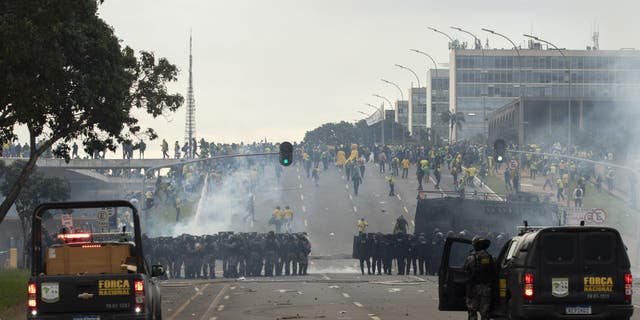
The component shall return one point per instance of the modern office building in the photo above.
(438, 102)
(417, 110)
(530, 94)
(402, 113)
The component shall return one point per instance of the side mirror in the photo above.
(157, 270)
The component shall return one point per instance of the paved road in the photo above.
(329, 212)
(317, 296)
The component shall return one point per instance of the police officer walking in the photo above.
(481, 270)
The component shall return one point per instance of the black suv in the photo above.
(549, 273)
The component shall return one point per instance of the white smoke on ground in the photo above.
(224, 206)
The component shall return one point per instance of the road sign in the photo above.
(596, 216)
(67, 221)
(103, 216)
(513, 164)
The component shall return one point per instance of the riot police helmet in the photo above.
(480, 243)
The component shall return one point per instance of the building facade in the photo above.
(418, 110)
(549, 94)
(438, 103)
(402, 113)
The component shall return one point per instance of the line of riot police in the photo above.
(241, 254)
(379, 252)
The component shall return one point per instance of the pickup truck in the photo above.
(93, 271)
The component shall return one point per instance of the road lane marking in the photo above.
(251, 223)
(301, 197)
(298, 177)
(405, 209)
(304, 209)
(374, 317)
(226, 297)
(186, 303)
(300, 186)
(220, 307)
(355, 209)
(214, 303)
(398, 196)
(298, 170)
(413, 223)
(305, 223)
(350, 197)
(232, 288)
(358, 304)
(346, 295)
(325, 277)
(346, 186)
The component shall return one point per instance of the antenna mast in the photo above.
(190, 126)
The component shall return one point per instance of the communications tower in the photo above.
(190, 125)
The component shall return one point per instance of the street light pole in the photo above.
(521, 109)
(381, 109)
(410, 70)
(396, 109)
(389, 102)
(410, 122)
(435, 66)
(451, 43)
(569, 72)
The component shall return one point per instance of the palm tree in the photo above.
(453, 119)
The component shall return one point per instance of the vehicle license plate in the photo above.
(86, 317)
(578, 310)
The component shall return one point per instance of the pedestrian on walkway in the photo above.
(507, 179)
(405, 168)
(611, 176)
(419, 175)
(577, 197)
(357, 179)
(391, 186)
(382, 159)
(438, 176)
(560, 193)
(547, 182)
(288, 218)
(316, 175)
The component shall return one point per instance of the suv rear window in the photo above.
(598, 247)
(559, 248)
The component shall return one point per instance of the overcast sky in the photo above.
(278, 68)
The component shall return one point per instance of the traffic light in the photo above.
(286, 154)
(499, 149)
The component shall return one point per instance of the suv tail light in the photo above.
(138, 286)
(628, 286)
(32, 302)
(528, 286)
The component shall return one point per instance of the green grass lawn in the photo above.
(13, 293)
(496, 183)
(619, 214)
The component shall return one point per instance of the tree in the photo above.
(455, 120)
(333, 134)
(65, 77)
(39, 188)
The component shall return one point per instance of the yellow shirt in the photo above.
(277, 214)
(472, 171)
(288, 214)
(362, 225)
(405, 164)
